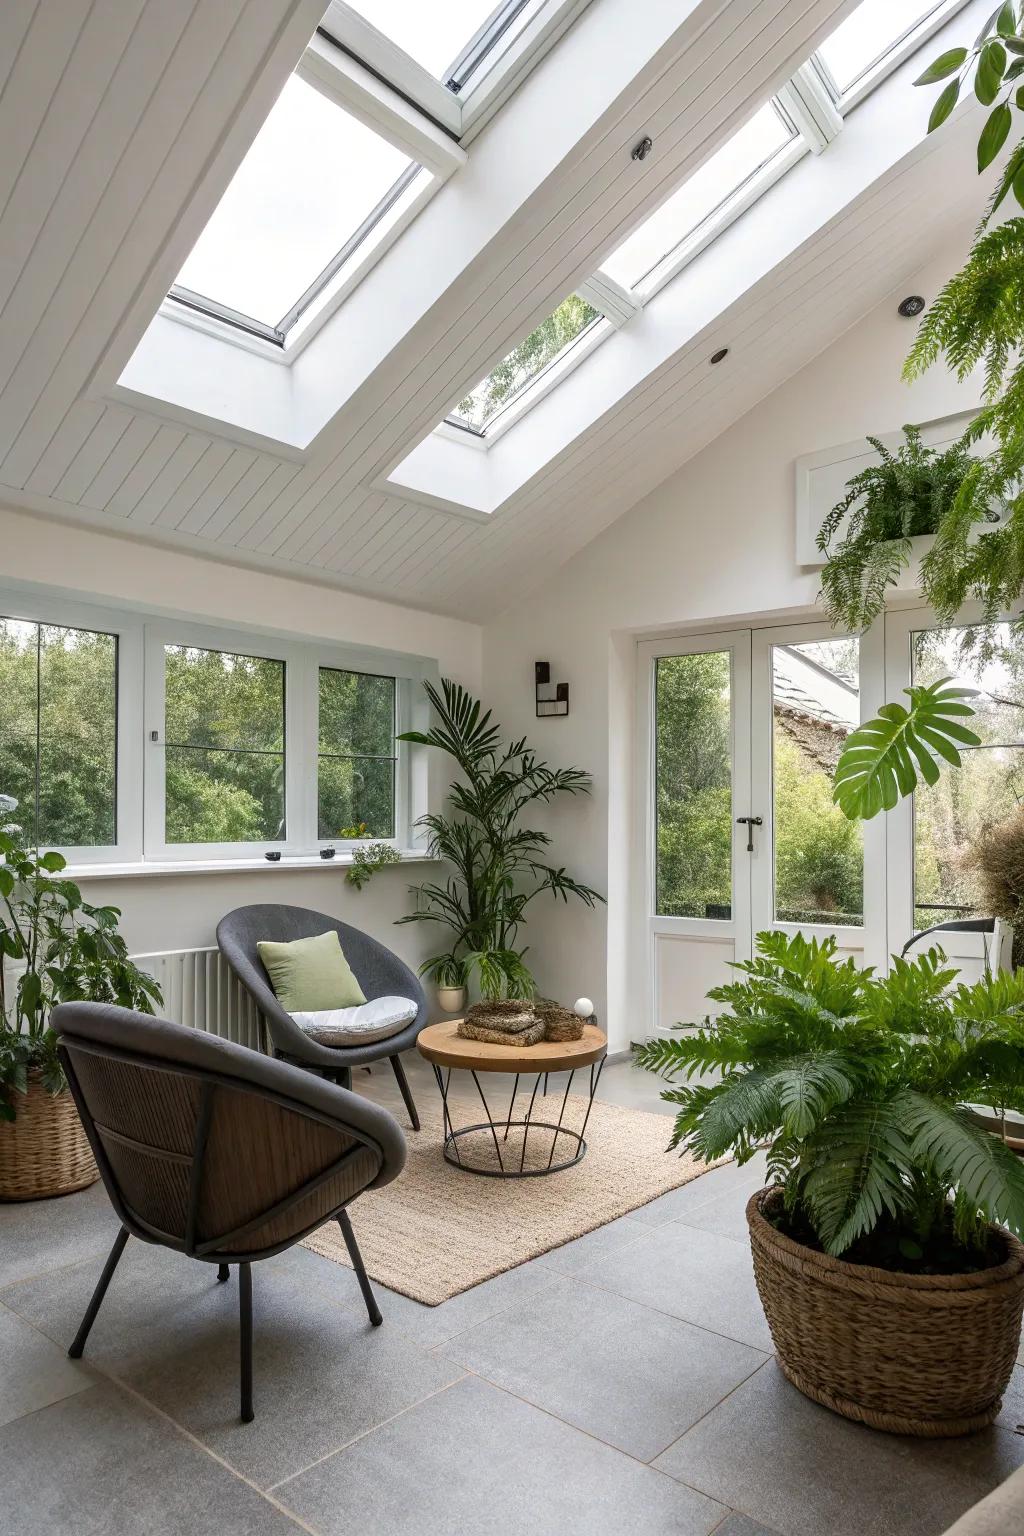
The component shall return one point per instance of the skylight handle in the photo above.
(750, 822)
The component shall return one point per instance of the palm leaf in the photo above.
(880, 762)
(967, 1158)
(860, 1166)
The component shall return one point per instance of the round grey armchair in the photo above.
(379, 972)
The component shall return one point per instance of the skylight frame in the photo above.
(903, 48)
(433, 155)
(732, 206)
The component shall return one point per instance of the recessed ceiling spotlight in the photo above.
(912, 306)
(720, 355)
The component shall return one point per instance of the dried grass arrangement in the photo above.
(506, 1022)
(559, 1023)
(997, 863)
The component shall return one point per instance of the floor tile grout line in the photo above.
(716, 1333)
(372, 1429)
(186, 1434)
(46, 1274)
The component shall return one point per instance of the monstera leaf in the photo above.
(881, 761)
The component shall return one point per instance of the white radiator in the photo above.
(200, 990)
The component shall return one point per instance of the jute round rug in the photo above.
(437, 1230)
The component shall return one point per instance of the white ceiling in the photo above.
(121, 124)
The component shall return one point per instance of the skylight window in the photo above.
(450, 41)
(867, 36)
(314, 186)
(525, 364)
(718, 182)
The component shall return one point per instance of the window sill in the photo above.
(145, 867)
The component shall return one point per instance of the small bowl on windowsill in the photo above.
(273, 856)
(327, 853)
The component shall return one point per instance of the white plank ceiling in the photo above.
(110, 111)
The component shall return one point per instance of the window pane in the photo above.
(702, 194)
(58, 691)
(867, 35)
(819, 856)
(357, 753)
(355, 790)
(434, 35)
(357, 713)
(988, 785)
(693, 750)
(312, 176)
(526, 362)
(224, 717)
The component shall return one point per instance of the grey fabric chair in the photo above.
(217, 1151)
(378, 971)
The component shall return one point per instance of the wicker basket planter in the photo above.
(912, 1354)
(44, 1150)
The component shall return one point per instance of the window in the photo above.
(714, 185)
(313, 188)
(819, 855)
(225, 747)
(58, 732)
(357, 757)
(867, 37)
(987, 786)
(525, 364)
(452, 42)
(693, 785)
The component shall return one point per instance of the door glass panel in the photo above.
(989, 784)
(693, 766)
(819, 855)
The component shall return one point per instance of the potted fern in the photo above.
(892, 1285)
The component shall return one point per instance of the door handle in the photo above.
(750, 822)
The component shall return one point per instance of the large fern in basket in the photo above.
(858, 1085)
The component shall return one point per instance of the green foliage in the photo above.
(859, 1086)
(498, 866)
(880, 762)
(366, 862)
(528, 359)
(693, 784)
(978, 320)
(54, 948)
(819, 856)
(913, 491)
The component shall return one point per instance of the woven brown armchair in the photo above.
(217, 1151)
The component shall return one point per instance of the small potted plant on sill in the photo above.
(893, 1294)
(54, 947)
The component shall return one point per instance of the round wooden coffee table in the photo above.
(447, 1051)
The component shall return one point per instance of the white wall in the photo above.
(715, 542)
(181, 910)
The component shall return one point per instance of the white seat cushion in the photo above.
(377, 1019)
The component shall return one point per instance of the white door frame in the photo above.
(871, 937)
(734, 931)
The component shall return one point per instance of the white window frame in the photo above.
(140, 809)
(44, 609)
(382, 109)
(903, 49)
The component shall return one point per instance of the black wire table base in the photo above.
(511, 1159)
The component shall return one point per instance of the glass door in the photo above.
(809, 870)
(695, 743)
(932, 834)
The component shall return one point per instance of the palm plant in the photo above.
(859, 1085)
(498, 866)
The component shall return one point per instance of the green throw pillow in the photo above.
(309, 975)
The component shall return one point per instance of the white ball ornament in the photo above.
(583, 1008)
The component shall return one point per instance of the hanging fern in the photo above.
(907, 493)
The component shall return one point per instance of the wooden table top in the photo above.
(442, 1044)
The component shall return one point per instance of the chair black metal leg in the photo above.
(357, 1264)
(245, 1329)
(223, 1273)
(406, 1091)
(98, 1294)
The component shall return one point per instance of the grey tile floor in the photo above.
(623, 1380)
